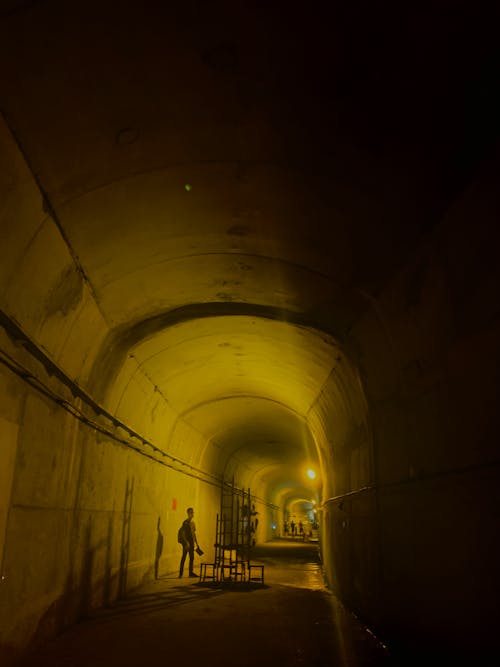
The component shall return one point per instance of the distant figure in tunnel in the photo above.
(188, 542)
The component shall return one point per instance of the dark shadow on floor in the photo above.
(150, 602)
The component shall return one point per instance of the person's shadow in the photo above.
(159, 548)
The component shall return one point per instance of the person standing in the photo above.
(189, 541)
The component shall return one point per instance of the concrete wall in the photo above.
(85, 518)
(84, 514)
(416, 555)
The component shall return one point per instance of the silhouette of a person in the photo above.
(188, 542)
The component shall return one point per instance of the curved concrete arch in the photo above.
(232, 346)
(285, 497)
(240, 396)
(220, 411)
(124, 338)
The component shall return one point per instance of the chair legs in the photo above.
(208, 571)
(232, 572)
(256, 573)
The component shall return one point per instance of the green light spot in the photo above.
(187, 187)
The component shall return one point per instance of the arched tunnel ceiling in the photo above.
(233, 237)
(210, 360)
(232, 159)
(245, 383)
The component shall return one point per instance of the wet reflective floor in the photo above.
(291, 620)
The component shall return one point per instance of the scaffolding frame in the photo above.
(233, 539)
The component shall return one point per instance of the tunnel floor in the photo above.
(290, 620)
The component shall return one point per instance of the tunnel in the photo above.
(251, 243)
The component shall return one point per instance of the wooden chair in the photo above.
(256, 573)
(208, 571)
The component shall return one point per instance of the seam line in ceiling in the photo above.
(128, 336)
(228, 253)
(181, 415)
(48, 208)
(156, 170)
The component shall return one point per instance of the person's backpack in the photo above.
(182, 535)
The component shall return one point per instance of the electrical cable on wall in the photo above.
(37, 384)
